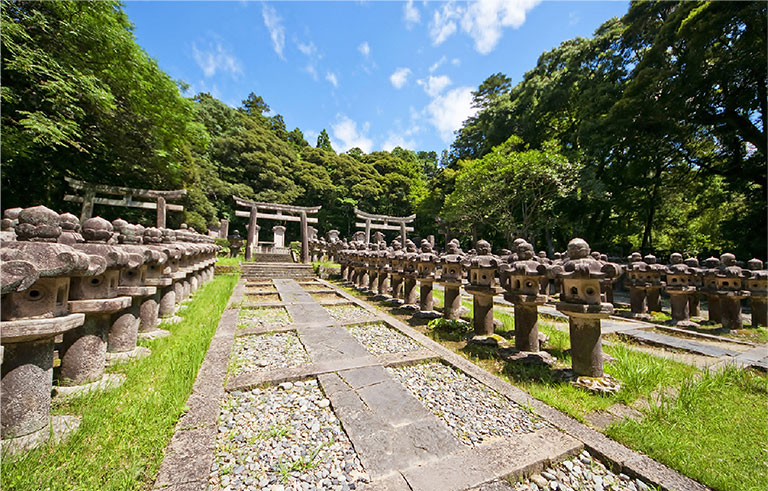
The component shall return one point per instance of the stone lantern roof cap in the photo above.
(38, 224)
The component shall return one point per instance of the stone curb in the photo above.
(628, 461)
(189, 455)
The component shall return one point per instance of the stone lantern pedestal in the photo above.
(452, 279)
(680, 289)
(410, 275)
(426, 264)
(482, 286)
(757, 284)
(729, 279)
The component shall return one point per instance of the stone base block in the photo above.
(686, 324)
(490, 340)
(136, 353)
(605, 384)
(107, 381)
(427, 314)
(640, 317)
(60, 428)
(394, 302)
(382, 297)
(410, 307)
(154, 334)
(541, 358)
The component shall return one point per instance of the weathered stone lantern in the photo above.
(235, 244)
(709, 286)
(522, 281)
(482, 286)
(396, 260)
(695, 280)
(426, 264)
(8, 224)
(730, 291)
(157, 275)
(84, 350)
(70, 230)
(410, 274)
(157, 240)
(637, 278)
(654, 273)
(680, 287)
(35, 276)
(452, 279)
(582, 303)
(757, 284)
(383, 269)
(371, 258)
(342, 256)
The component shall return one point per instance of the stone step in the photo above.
(272, 258)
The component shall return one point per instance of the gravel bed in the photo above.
(263, 298)
(268, 318)
(283, 438)
(350, 313)
(379, 339)
(267, 352)
(474, 412)
(580, 473)
(326, 296)
(260, 289)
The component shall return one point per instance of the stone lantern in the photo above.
(654, 284)
(235, 244)
(410, 274)
(709, 286)
(157, 275)
(361, 270)
(70, 230)
(695, 279)
(168, 274)
(426, 264)
(522, 281)
(395, 259)
(582, 303)
(372, 273)
(35, 276)
(680, 287)
(342, 256)
(730, 291)
(635, 281)
(383, 269)
(84, 350)
(482, 286)
(8, 224)
(452, 279)
(757, 284)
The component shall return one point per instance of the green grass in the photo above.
(124, 432)
(230, 261)
(715, 431)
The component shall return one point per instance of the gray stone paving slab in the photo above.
(691, 346)
(392, 402)
(357, 378)
(330, 342)
(519, 455)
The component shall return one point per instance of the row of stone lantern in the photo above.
(99, 286)
(721, 281)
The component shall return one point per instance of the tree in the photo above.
(254, 106)
(324, 141)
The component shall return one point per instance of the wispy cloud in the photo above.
(397, 140)
(399, 77)
(434, 85)
(332, 78)
(276, 29)
(364, 49)
(482, 20)
(437, 64)
(411, 14)
(346, 135)
(448, 111)
(309, 50)
(216, 58)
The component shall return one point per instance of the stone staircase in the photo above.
(272, 257)
(261, 271)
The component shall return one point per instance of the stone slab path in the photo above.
(401, 442)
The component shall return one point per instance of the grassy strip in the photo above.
(715, 431)
(124, 432)
(230, 261)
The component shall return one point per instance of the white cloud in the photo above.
(276, 30)
(216, 58)
(434, 85)
(482, 20)
(443, 23)
(448, 111)
(411, 14)
(397, 140)
(309, 49)
(346, 135)
(365, 49)
(311, 70)
(332, 78)
(399, 77)
(455, 62)
(437, 64)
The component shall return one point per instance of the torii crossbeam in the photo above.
(385, 220)
(282, 212)
(89, 199)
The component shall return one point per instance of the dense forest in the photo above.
(650, 135)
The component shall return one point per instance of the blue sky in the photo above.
(374, 74)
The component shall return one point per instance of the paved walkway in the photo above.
(401, 443)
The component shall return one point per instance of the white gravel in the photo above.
(260, 289)
(268, 318)
(580, 473)
(349, 313)
(474, 412)
(283, 438)
(262, 298)
(267, 352)
(379, 339)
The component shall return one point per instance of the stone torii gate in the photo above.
(282, 212)
(89, 199)
(385, 220)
